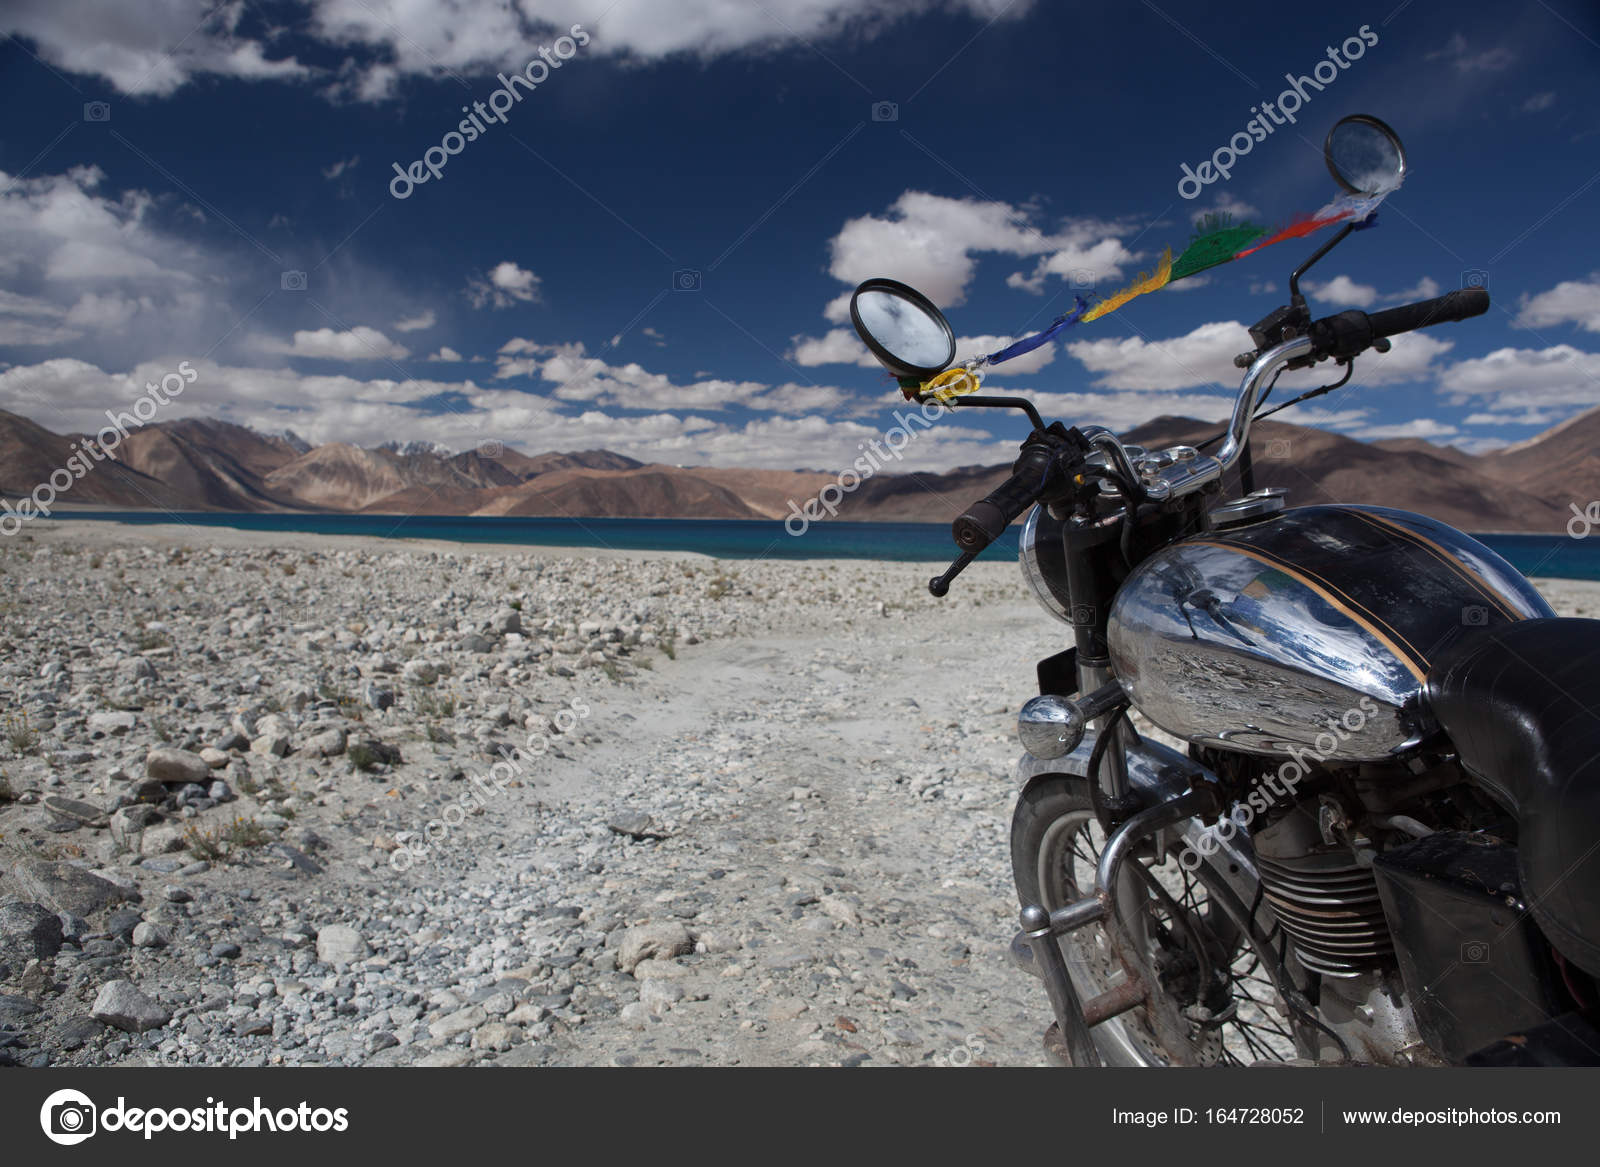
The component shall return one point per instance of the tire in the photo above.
(1054, 838)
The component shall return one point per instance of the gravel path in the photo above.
(252, 810)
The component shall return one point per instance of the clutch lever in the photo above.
(939, 585)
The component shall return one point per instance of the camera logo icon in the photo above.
(686, 280)
(96, 111)
(885, 111)
(1474, 952)
(1083, 615)
(1279, 450)
(293, 281)
(68, 1117)
(1474, 277)
(1084, 277)
(1474, 616)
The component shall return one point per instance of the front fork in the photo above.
(1041, 932)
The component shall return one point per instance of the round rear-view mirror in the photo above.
(902, 328)
(1364, 155)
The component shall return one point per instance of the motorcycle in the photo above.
(1380, 844)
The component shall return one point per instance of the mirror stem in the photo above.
(1295, 297)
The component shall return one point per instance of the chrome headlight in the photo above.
(1043, 554)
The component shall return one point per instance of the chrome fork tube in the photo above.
(1113, 776)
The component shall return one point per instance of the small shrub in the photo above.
(20, 734)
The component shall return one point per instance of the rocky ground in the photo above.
(251, 811)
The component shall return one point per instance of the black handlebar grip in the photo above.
(1462, 305)
(982, 522)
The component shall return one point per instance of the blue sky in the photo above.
(648, 251)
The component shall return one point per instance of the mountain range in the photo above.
(198, 464)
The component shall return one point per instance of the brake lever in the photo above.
(939, 585)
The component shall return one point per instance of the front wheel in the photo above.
(1205, 968)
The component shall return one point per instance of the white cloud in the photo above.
(1343, 292)
(580, 377)
(1571, 301)
(79, 265)
(447, 354)
(1202, 356)
(1542, 417)
(1457, 53)
(159, 45)
(1421, 427)
(1426, 289)
(356, 344)
(423, 319)
(1413, 358)
(839, 346)
(506, 284)
(1539, 102)
(1123, 411)
(932, 243)
(1226, 204)
(150, 49)
(342, 166)
(1515, 378)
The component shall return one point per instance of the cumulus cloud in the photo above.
(841, 346)
(356, 344)
(1517, 378)
(158, 46)
(446, 354)
(932, 242)
(1343, 292)
(1420, 427)
(423, 319)
(1569, 302)
(153, 48)
(1226, 204)
(78, 263)
(579, 377)
(1202, 356)
(505, 285)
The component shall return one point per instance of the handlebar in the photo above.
(1462, 305)
(982, 522)
(1351, 333)
(1042, 468)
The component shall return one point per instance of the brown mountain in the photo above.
(1561, 464)
(212, 464)
(768, 492)
(1319, 467)
(197, 464)
(642, 492)
(338, 477)
(29, 454)
(921, 497)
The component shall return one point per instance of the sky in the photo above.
(648, 242)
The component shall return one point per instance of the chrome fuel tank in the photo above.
(1311, 630)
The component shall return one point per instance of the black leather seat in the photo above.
(1521, 703)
